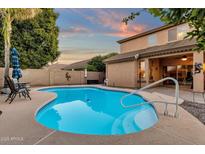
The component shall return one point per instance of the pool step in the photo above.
(151, 118)
(125, 124)
(129, 124)
(134, 121)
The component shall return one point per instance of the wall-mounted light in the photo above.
(136, 56)
(184, 58)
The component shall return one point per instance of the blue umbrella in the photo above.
(16, 73)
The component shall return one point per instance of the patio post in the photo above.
(198, 77)
(138, 81)
(147, 70)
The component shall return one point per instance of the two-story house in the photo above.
(155, 54)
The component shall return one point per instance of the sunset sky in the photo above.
(95, 31)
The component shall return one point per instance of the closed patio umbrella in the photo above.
(16, 73)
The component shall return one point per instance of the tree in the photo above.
(97, 64)
(8, 16)
(193, 16)
(36, 40)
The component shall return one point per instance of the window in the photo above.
(178, 33)
(152, 40)
(183, 73)
(182, 31)
(172, 35)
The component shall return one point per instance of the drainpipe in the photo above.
(85, 74)
(138, 66)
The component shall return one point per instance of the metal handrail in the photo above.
(151, 85)
(151, 102)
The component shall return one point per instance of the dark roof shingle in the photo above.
(178, 46)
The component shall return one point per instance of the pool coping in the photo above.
(127, 90)
(183, 130)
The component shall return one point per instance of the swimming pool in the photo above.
(95, 111)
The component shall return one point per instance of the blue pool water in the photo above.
(95, 111)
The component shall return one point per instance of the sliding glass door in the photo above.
(183, 73)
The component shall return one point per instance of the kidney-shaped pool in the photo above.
(95, 111)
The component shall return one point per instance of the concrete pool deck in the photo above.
(18, 126)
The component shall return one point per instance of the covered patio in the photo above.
(179, 66)
(176, 59)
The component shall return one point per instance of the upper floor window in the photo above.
(182, 31)
(178, 33)
(152, 40)
(172, 34)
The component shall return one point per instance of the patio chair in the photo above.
(106, 82)
(21, 85)
(14, 90)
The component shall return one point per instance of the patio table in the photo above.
(25, 85)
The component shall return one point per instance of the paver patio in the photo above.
(18, 126)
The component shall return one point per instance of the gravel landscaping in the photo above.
(196, 109)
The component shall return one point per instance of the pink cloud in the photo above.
(126, 31)
(112, 20)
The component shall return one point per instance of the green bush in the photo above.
(35, 39)
(96, 64)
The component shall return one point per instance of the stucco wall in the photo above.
(198, 78)
(96, 76)
(133, 45)
(142, 42)
(122, 74)
(39, 77)
(46, 77)
(57, 77)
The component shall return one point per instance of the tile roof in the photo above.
(77, 65)
(173, 47)
(56, 66)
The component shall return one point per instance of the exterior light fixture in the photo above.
(184, 58)
(136, 56)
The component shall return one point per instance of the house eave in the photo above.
(170, 48)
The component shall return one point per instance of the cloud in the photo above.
(112, 20)
(126, 31)
(105, 22)
(70, 31)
